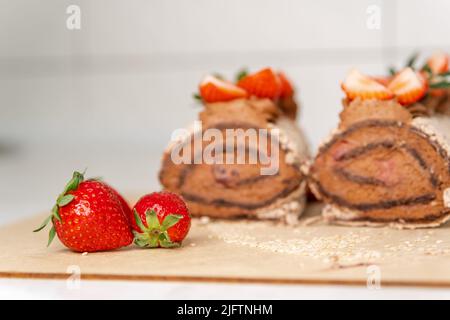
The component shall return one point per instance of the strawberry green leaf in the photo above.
(140, 242)
(65, 200)
(138, 220)
(392, 71)
(99, 178)
(55, 213)
(51, 235)
(146, 240)
(427, 69)
(165, 242)
(412, 60)
(440, 85)
(44, 224)
(170, 220)
(197, 97)
(138, 234)
(152, 220)
(241, 74)
(153, 242)
(155, 235)
(169, 244)
(77, 178)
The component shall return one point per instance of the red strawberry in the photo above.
(286, 87)
(409, 86)
(125, 206)
(263, 84)
(438, 62)
(383, 80)
(88, 217)
(213, 89)
(358, 85)
(160, 219)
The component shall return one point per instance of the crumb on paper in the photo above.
(204, 220)
(353, 248)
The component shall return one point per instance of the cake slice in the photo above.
(388, 162)
(256, 117)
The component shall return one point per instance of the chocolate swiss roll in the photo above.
(386, 163)
(254, 170)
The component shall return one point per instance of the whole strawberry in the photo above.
(263, 84)
(89, 216)
(160, 219)
(125, 206)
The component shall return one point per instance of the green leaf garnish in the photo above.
(165, 242)
(440, 85)
(44, 224)
(138, 220)
(62, 200)
(74, 182)
(65, 200)
(427, 69)
(55, 213)
(152, 219)
(143, 243)
(51, 235)
(170, 220)
(155, 234)
(392, 71)
(412, 60)
(241, 74)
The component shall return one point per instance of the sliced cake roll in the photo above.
(243, 158)
(386, 163)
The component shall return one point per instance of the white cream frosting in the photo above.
(436, 127)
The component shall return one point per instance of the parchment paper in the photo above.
(244, 251)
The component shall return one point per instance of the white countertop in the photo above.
(32, 176)
(57, 289)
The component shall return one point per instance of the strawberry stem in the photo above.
(155, 234)
(62, 200)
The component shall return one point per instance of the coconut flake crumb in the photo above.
(204, 220)
(347, 249)
(437, 128)
(287, 210)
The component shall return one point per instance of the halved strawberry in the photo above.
(263, 84)
(287, 89)
(358, 85)
(384, 80)
(438, 62)
(213, 89)
(409, 86)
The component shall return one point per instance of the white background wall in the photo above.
(127, 77)
(129, 73)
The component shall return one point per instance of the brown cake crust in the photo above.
(239, 190)
(383, 166)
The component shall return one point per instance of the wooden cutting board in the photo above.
(243, 251)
